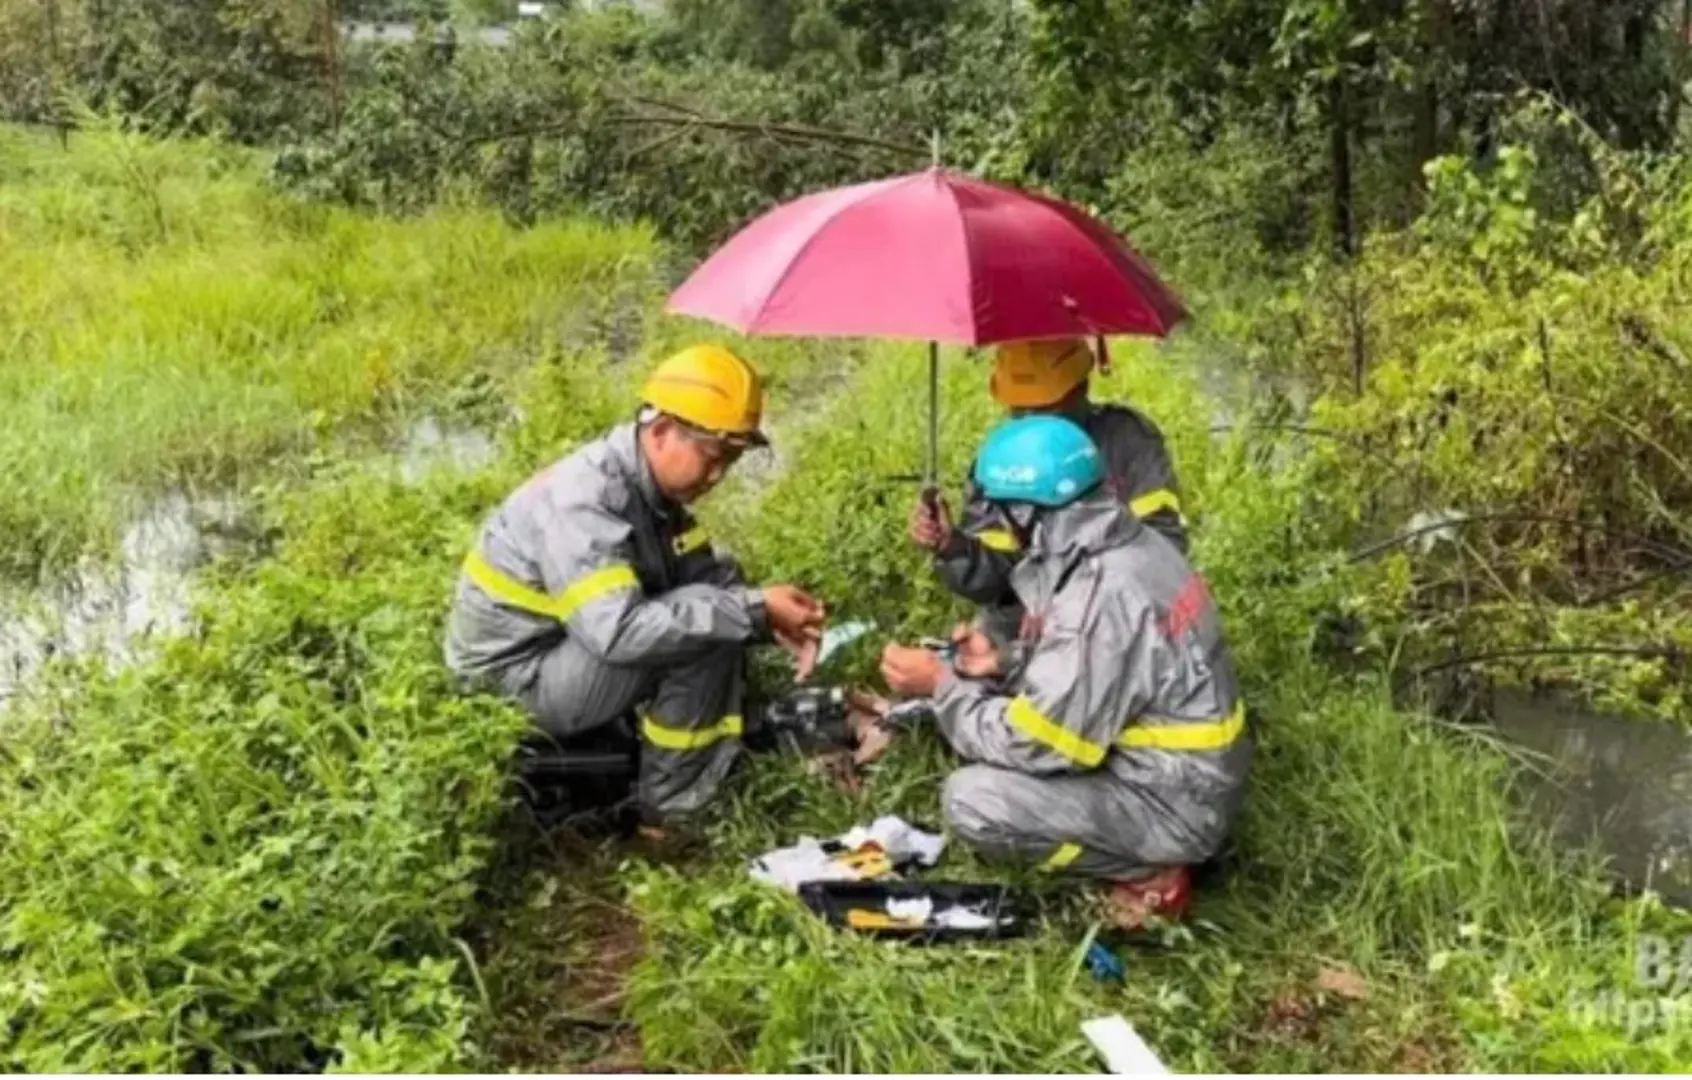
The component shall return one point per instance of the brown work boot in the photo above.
(1165, 894)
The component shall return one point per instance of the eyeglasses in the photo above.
(720, 450)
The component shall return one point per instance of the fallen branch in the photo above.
(1346, 436)
(1632, 586)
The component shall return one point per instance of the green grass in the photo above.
(285, 841)
(166, 321)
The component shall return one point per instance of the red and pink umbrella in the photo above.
(933, 256)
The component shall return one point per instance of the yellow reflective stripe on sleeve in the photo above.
(673, 738)
(1037, 726)
(692, 540)
(502, 588)
(1152, 501)
(1213, 735)
(1062, 857)
(1002, 540)
(581, 591)
(587, 589)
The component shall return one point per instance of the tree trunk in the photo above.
(1424, 138)
(332, 61)
(1632, 120)
(1496, 57)
(1681, 70)
(1339, 151)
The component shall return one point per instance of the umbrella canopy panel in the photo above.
(932, 256)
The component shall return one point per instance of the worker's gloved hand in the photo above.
(976, 657)
(931, 523)
(913, 672)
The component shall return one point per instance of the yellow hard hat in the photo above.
(712, 389)
(1035, 374)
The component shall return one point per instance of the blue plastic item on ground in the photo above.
(1104, 963)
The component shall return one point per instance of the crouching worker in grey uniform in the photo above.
(1048, 378)
(1115, 746)
(591, 593)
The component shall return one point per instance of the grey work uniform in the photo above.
(1120, 745)
(977, 562)
(590, 595)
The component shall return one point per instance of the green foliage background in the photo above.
(1436, 257)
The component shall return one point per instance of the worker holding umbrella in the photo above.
(1048, 377)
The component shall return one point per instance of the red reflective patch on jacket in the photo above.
(1189, 605)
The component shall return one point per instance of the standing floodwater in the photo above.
(1622, 783)
(110, 609)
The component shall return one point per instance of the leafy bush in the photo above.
(253, 852)
(1529, 372)
(249, 69)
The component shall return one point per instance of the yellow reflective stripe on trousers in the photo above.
(1037, 726)
(518, 595)
(1181, 735)
(1002, 540)
(1152, 501)
(674, 738)
(692, 540)
(1062, 857)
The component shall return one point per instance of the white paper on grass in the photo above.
(1124, 1052)
(793, 866)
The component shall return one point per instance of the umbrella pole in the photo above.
(931, 467)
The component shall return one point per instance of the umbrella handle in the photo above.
(931, 469)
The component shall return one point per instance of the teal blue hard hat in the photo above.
(1045, 460)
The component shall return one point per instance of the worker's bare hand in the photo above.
(931, 526)
(913, 672)
(976, 656)
(794, 613)
(804, 651)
